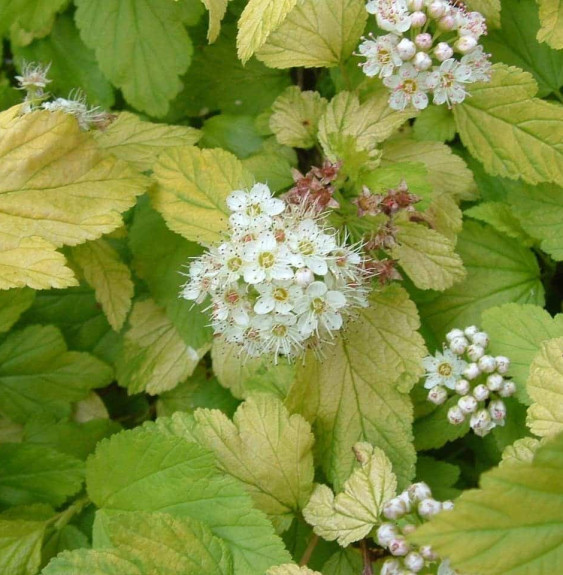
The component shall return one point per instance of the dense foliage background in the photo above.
(134, 441)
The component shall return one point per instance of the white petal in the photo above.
(237, 200)
(264, 305)
(254, 274)
(317, 265)
(336, 299)
(316, 289)
(332, 321)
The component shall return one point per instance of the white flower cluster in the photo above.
(478, 379)
(405, 512)
(34, 80)
(425, 62)
(282, 281)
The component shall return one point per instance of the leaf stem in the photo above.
(366, 555)
(309, 550)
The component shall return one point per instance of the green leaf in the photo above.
(20, 546)
(545, 388)
(344, 562)
(109, 276)
(427, 257)
(447, 172)
(291, 569)
(435, 123)
(515, 44)
(500, 216)
(521, 451)
(159, 256)
(28, 14)
(353, 513)
(295, 117)
(70, 437)
(271, 168)
(551, 20)
(440, 476)
(141, 46)
(170, 545)
(314, 35)
(234, 133)
(499, 270)
(192, 189)
(217, 80)
(489, 529)
(33, 473)
(266, 449)
(252, 375)
(154, 357)
(357, 393)
(135, 463)
(93, 562)
(517, 332)
(201, 389)
(512, 133)
(258, 20)
(38, 374)
(540, 211)
(71, 192)
(13, 303)
(73, 65)
(217, 10)
(139, 143)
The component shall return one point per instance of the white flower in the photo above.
(391, 15)
(264, 259)
(471, 24)
(33, 76)
(279, 334)
(408, 86)
(231, 302)
(381, 56)
(254, 208)
(448, 82)
(277, 297)
(76, 106)
(443, 369)
(479, 64)
(311, 246)
(318, 307)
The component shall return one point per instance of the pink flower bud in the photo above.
(508, 389)
(386, 533)
(470, 331)
(447, 505)
(447, 22)
(467, 404)
(437, 9)
(481, 338)
(465, 44)
(462, 387)
(455, 415)
(437, 395)
(405, 498)
(427, 553)
(443, 51)
(429, 507)
(419, 491)
(414, 561)
(399, 547)
(423, 41)
(394, 508)
(416, 5)
(497, 410)
(406, 49)
(454, 332)
(495, 381)
(418, 19)
(459, 344)
(304, 276)
(487, 364)
(475, 352)
(503, 364)
(409, 528)
(391, 567)
(472, 371)
(422, 61)
(481, 422)
(481, 392)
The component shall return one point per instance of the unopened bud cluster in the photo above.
(314, 190)
(465, 369)
(440, 56)
(282, 281)
(405, 513)
(34, 80)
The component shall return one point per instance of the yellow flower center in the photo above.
(306, 247)
(266, 259)
(280, 294)
(445, 369)
(318, 305)
(234, 264)
(410, 86)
